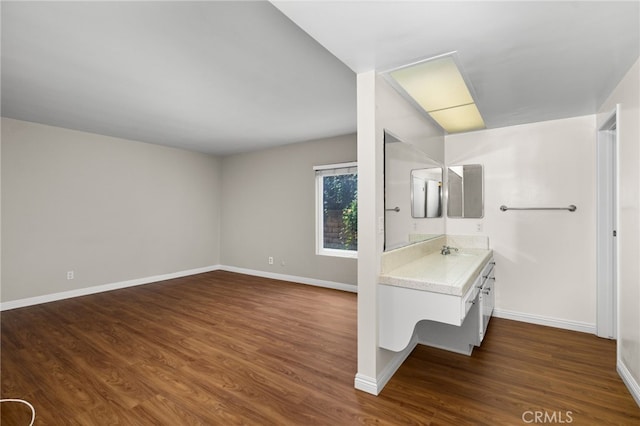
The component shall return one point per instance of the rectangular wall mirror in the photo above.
(465, 191)
(413, 194)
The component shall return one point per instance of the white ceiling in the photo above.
(217, 77)
(225, 77)
(527, 61)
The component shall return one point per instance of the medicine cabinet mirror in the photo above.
(426, 192)
(465, 193)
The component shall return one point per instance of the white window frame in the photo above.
(320, 172)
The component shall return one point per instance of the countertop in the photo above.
(451, 274)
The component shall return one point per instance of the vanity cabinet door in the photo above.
(487, 298)
(471, 298)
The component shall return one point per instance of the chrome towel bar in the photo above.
(571, 208)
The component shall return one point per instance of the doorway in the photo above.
(606, 228)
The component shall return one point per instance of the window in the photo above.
(337, 210)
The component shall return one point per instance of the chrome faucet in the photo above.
(447, 250)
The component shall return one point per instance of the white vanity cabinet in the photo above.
(449, 298)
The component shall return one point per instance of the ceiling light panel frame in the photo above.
(458, 96)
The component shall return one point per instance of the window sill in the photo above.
(350, 254)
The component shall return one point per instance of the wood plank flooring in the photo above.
(223, 348)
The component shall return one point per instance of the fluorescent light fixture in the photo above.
(463, 118)
(437, 86)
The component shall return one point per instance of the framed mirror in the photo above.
(465, 191)
(426, 192)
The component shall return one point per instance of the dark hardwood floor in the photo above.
(223, 348)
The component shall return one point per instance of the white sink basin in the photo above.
(461, 254)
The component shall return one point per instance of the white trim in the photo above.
(336, 166)
(349, 254)
(607, 221)
(629, 380)
(453, 53)
(392, 366)
(20, 303)
(321, 172)
(375, 386)
(292, 278)
(583, 327)
(366, 384)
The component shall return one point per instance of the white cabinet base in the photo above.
(400, 309)
(441, 320)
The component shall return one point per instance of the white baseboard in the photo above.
(548, 321)
(366, 384)
(375, 386)
(20, 303)
(630, 381)
(395, 363)
(292, 278)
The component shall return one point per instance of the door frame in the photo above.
(607, 193)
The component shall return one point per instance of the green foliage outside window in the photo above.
(350, 221)
(341, 194)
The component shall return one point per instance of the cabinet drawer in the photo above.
(469, 299)
(487, 271)
(486, 299)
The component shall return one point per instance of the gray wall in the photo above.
(269, 210)
(114, 210)
(107, 208)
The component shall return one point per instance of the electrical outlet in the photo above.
(70, 275)
(479, 226)
(270, 260)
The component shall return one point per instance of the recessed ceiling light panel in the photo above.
(438, 87)
(463, 118)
